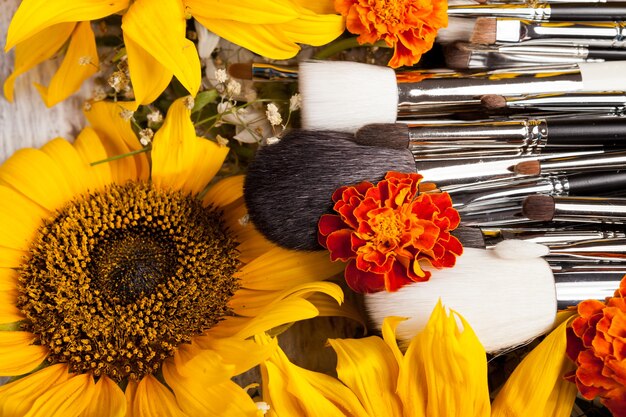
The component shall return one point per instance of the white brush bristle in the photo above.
(520, 249)
(459, 29)
(346, 95)
(506, 301)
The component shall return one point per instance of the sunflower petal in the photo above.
(329, 307)
(118, 138)
(68, 398)
(8, 279)
(312, 29)
(200, 399)
(243, 354)
(35, 50)
(19, 219)
(225, 192)
(18, 355)
(246, 11)
(17, 397)
(35, 175)
(108, 400)
(368, 367)
(11, 258)
(281, 268)
(36, 15)
(73, 71)
(90, 148)
(74, 169)
(537, 386)
(149, 77)
(9, 313)
(205, 365)
(320, 6)
(153, 399)
(159, 28)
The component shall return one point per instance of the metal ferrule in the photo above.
(590, 209)
(538, 12)
(438, 91)
(586, 163)
(504, 59)
(592, 102)
(574, 287)
(543, 51)
(563, 237)
(608, 34)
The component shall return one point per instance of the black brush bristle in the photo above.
(470, 237)
(289, 185)
(386, 135)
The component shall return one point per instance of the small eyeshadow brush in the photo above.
(575, 209)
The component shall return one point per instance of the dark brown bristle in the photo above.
(241, 71)
(470, 237)
(493, 101)
(485, 31)
(528, 168)
(457, 57)
(384, 135)
(538, 207)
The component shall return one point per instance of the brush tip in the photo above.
(241, 71)
(384, 135)
(485, 32)
(457, 56)
(538, 207)
(528, 168)
(493, 101)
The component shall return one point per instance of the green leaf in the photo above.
(204, 98)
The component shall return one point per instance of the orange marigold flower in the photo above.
(410, 26)
(383, 231)
(597, 343)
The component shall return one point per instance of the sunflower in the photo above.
(154, 37)
(129, 287)
(443, 373)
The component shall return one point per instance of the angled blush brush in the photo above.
(347, 95)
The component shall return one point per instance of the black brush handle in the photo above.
(607, 54)
(582, 11)
(587, 131)
(594, 183)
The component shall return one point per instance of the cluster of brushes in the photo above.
(530, 154)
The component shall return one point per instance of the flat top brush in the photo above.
(346, 95)
(544, 11)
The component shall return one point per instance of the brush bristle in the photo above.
(493, 101)
(241, 71)
(470, 237)
(506, 301)
(289, 185)
(520, 249)
(538, 207)
(457, 56)
(344, 96)
(528, 168)
(389, 135)
(484, 31)
(459, 29)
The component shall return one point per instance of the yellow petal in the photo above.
(243, 354)
(67, 398)
(19, 219)
(149, 77)
(17, 397)
(8, 279)
(537, 386)
(108, 400)
(205, 365)
(281, 268)
(368, 367)
(118, 138)
(329, 307)
(38, 177)
(153, 399)
(17, 355)
(11, 258)
(389, 336)
(73, 70)
(225, 191)
(180, 160)
(313, 29)
(35, 50)
(320, 6)
(9, 313)
(159, 28)
(75, 170)
(253, 247)
(36, 15)
(200, 399)
(247, 11)
(266, 40)
(90, 148)
(130, 394)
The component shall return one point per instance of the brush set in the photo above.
(524, 130)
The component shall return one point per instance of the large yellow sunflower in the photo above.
(125, 288)
(443, 373)
(154, 36)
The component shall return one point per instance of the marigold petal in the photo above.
(362, 281)
(340, 246)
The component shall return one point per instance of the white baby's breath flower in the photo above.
(189, 102)
(273, 115)
(221, 75)
(126, 114)
(99, 93)
(272, 141)
(224, 107)
(222, 141)
(233, 88)
(263, 407)
(155, 117)
(85, 60)
(145, 136)
(295, 102)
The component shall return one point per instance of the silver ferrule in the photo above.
(438, 91)
(528, 136)
(562, 237)
(603, 162)
(592, 102)
(482, 59)
(607, 34)
(542, 51)
(539, 12)
(574, 287)
(590, 209)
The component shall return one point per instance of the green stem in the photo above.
(116, 157)
(341, 45)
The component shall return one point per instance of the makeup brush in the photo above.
(508, 301)
(586, 163)
(540, 12)
(258, 71)
(575, 209)
(600, 102)
(346, 95)
(490, 30)
(550, 237)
